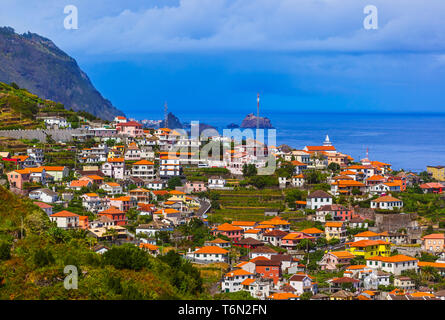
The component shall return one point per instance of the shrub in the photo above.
(126, 256)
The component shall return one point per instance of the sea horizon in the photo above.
(406, 140)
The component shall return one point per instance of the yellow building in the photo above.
(369, 248)
(437, 172)
(335, 229)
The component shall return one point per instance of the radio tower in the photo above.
(258, 112)
(165, 114)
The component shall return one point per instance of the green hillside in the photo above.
(31, 266)
(19, 109)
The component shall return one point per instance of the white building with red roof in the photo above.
(65, 219)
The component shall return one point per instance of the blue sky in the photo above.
(211, 56)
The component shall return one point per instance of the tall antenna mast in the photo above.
(166, 114)
(367, 153)
(258, 112)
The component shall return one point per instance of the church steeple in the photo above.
(327, 142)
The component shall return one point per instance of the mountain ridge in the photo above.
(37, 64)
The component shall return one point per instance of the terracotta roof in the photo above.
(342, 254)
(334, 224)
(143, 162)
(366, 234)
(228, 227)
(312, 231)
(393, 259)
(386, 199)
(238, 272)
(42, 205)
(367, 243)
(431, 264)
(148, 246)
(283, 296)
(244, 223)
(248, 282)
(80, 183)
(212, 250)
(64, 213)
(112, 210)
(434, 236)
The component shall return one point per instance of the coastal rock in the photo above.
(233, 126)
(173, 122)
(250, 121)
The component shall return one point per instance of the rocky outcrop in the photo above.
(250, 121)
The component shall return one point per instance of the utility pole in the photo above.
(258, 112)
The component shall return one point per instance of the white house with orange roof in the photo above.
(169, 167)
(120, 119)
(298, 180)
(133, 152)
(123, 203)
(253, 233)
(65, 219)
(209, 254)
(143, 169)
(112, 188)
(94, 203)
(384, 187)
(219, 243)
(367, 235)
(387, 203)
(246, 225)
(346, 187)
(79, 184)
(233, 279)
(114, 168)
(258, 288)
(395, 264)
(278, 224)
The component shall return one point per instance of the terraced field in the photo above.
(246, 204)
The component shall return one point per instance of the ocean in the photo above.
(406, 141)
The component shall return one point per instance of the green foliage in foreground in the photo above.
(34, 267)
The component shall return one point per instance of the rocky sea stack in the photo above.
(250, 121)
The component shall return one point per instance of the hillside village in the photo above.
(322, 226)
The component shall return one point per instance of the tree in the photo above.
(321, 241)
(293, 195)
(313, 176)
(305, 244)
(126, 256)
(249, 170)
(174, 182)
(43, 258)
(334, 167)
(333, 241)
(306, 295)
(5, 250)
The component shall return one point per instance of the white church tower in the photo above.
(327, 142)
